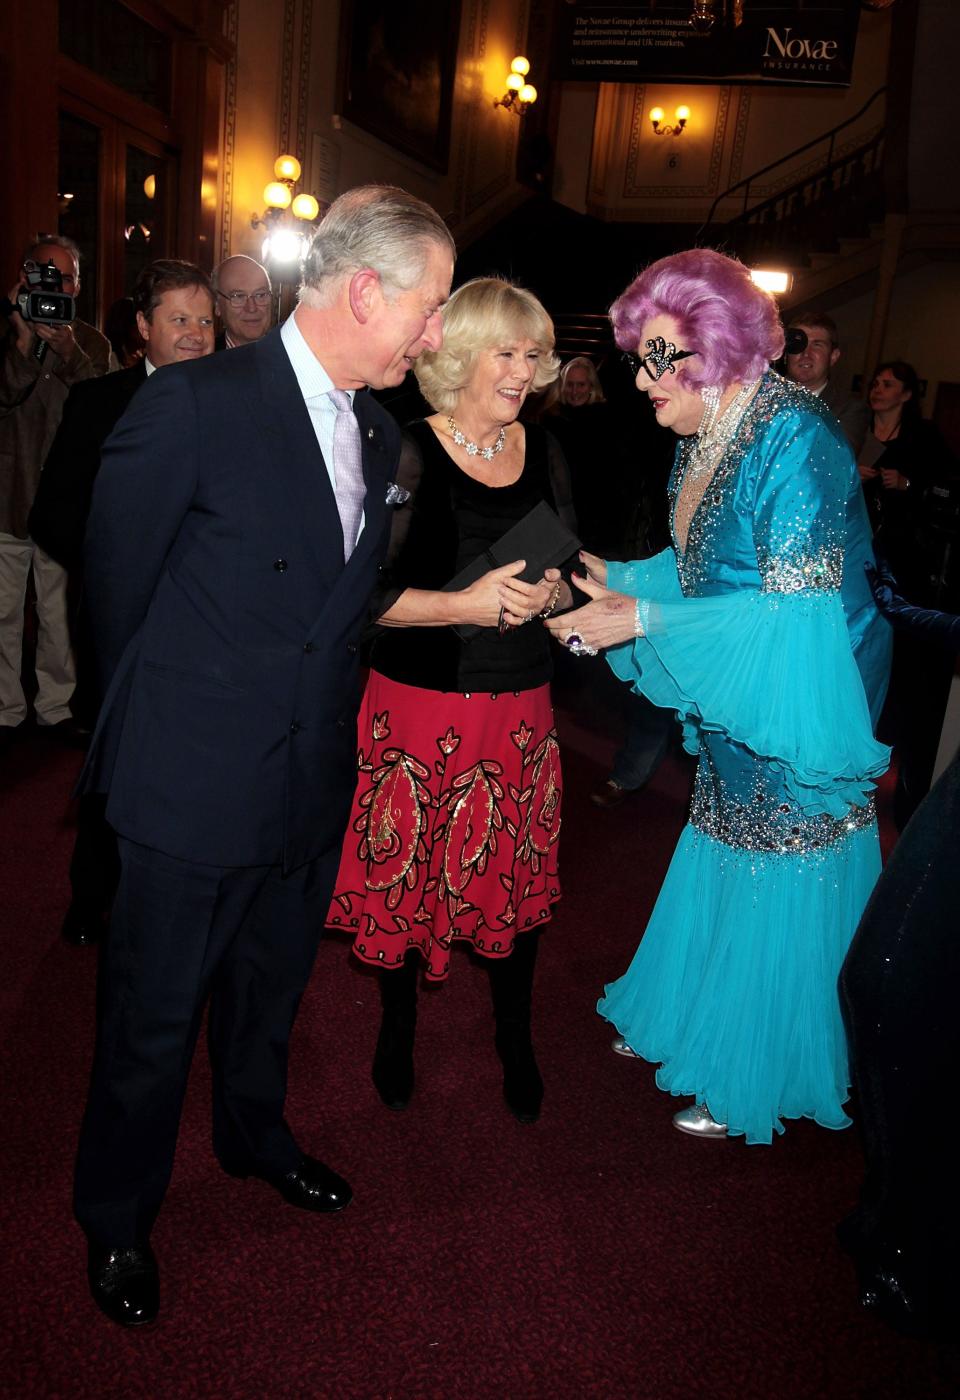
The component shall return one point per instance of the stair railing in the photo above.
(830, 137)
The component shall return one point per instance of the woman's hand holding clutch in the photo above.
(482, 602)
(522, 602)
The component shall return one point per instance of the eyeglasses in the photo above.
(240, 299)
(660, 361)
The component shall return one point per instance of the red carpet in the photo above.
(598, 1253)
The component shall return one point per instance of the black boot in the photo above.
(511, 986)
(393, 1059)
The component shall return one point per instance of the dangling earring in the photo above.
(710, 393)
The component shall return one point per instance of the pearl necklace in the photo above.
(473, 449)
(715, 439)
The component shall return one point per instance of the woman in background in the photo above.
(903, 458)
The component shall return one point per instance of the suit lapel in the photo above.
(299, 461)
(376, 475)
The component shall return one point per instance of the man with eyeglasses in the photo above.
(244, 301)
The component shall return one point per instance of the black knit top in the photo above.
(448, 521)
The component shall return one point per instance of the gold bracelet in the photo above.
(553, 601)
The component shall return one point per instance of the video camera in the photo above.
(42, 299)
(796, 341)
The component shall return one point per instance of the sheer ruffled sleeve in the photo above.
(770, 665)
(656, 577)
(390, 582)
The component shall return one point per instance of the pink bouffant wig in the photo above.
(732, 324)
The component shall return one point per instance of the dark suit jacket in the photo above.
(92, 410)
(225, 620)
(853, 412)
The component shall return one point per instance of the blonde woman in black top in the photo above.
(457, 809)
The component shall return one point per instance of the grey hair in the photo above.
(52, 240)
(377, 226)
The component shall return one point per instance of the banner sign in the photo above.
(778, 41)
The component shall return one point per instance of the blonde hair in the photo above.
(582, 362)
(482, 315)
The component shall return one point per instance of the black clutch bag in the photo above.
(540, 538)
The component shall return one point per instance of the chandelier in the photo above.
(704, 14)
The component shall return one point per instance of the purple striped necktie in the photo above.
(348, 469)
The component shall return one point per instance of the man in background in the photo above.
(38, 364)
(813, 368)
(173, 303)
(244, 301)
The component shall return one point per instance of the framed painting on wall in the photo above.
(397, 73)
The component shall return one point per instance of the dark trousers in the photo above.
(95, 864)
(913, 716)
(649, 731)
(181, 934)
(899, 992)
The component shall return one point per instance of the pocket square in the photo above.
(396, 495)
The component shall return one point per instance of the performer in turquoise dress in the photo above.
(758, 628)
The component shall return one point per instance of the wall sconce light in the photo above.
(287, 168)
(661, 128)
(285, 240)
(520, 95)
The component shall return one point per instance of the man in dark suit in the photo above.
(813, 367)
(173, 301)
(238, 522)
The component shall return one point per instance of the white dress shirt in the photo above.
(315, 384)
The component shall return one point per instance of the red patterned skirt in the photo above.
(454, 826)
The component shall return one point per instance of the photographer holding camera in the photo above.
(43, 350)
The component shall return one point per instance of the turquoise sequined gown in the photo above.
(763, 636)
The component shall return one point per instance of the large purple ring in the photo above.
(575, 644)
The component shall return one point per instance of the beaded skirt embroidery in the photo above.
(454, 827)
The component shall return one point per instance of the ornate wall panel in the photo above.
(231, 19)
(635, 186)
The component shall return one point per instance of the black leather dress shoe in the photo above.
(609, 794)
(125, 1283)
(66, 732)
(83, 927)
(310, 1186)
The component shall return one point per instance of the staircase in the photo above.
(584, 333)
(827, 227)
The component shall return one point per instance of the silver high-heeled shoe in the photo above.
(697, 1121)
(620, 1047)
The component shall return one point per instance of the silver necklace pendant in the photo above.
(473, 449)
(712, 443)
